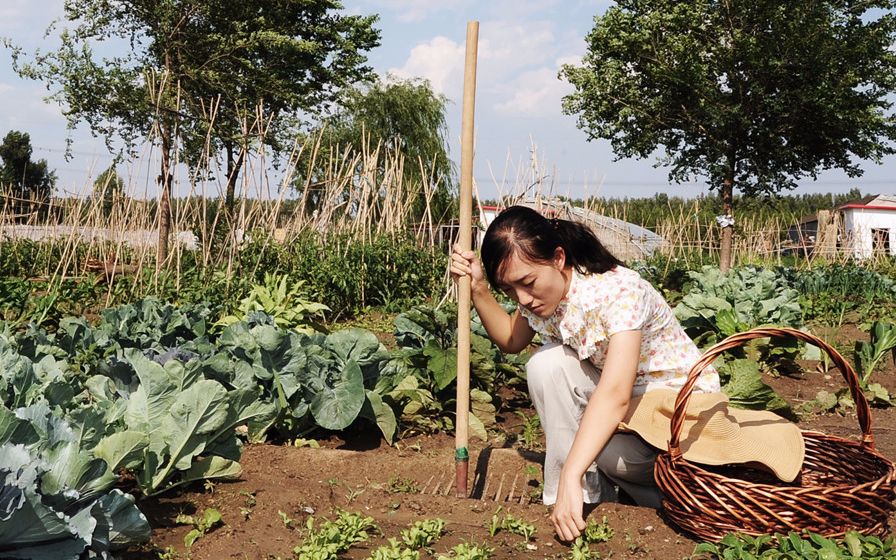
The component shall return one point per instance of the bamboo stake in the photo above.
(464, 296)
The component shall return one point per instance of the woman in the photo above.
(608, 336)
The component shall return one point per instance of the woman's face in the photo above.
(537, 286)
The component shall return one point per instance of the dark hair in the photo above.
(522, 229)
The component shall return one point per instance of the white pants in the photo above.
(559, 386)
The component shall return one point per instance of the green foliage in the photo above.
(19, 176)
(469, 551)
(420, 377)
(283, 301)
(256, 62)
(742, 383)
(869, 354)
(656, 74)
(829, 293)
(210, 519)
(511, 524)
(719, 305)
(793, 545)
(594, 533)
(403, 117)
(109, 187)
(332, 538)
(394, 551)
(423, 534)
(58, 501)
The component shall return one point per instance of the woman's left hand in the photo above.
(567, 515)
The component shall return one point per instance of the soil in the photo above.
(413, 480)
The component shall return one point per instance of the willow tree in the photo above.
(749, 94)
(403, 118)
(206, 77)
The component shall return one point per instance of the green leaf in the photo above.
(339, 401)
(442, 364)
(122, 449)
(381, 414)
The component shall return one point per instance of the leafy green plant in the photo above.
(511, 524)
(401, 485)
(394, 551)
(719, 305)
(423, 534)
(58, 500)
(809, 546)
(868, 354)
(332, 538)
(531, 434)
(420, 377)
(469, 551)
(281, 300)
(594, 533)
(210, 519)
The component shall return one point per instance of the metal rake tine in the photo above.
(500, 487)
(435, 490)
(428, 482)
(513, 487)
(488, 480)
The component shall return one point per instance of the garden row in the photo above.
(154, 396)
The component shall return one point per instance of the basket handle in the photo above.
(733, 341)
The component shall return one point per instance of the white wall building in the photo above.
(869, 226)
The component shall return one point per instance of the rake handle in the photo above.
(849, 375)
(465, 240)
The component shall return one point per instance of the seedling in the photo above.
(510, 524)
(531, 434)
(401, 485)
(469, 551)
(250, 502)
(594, 533)
(210, 519)
(334, 537)
(423, 534)
(394, 551)
(287, 520)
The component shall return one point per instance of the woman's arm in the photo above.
(606, 408)
(511, 333)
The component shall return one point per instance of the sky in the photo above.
(520, 129)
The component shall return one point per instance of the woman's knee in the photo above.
(628, 458)
(542, 367)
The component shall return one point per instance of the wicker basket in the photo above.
(844, 485)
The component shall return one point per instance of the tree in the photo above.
(749, 94)
(202, 76)
(405, 118)
(27, 181)
(108, 187)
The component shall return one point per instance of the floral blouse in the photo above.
(598, 306)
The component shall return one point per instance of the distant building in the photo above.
(869, 226)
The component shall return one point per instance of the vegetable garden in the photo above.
(251, 419)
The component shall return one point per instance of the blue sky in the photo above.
(522, 44)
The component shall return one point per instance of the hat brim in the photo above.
(713, 433)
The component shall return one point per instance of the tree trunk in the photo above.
(164, 197)
(233, 172)
(727, 228)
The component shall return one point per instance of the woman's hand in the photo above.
(567, 515)
(465, 263)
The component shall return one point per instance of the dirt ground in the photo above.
(281, 487)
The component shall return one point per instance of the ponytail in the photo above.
(536, 238)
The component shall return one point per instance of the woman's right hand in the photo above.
(465, 263)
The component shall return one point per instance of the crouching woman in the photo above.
(607, 336)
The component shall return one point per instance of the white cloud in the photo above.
(5, 88)
(440, 60)
(536, 93)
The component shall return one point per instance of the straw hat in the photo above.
(715, 434)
